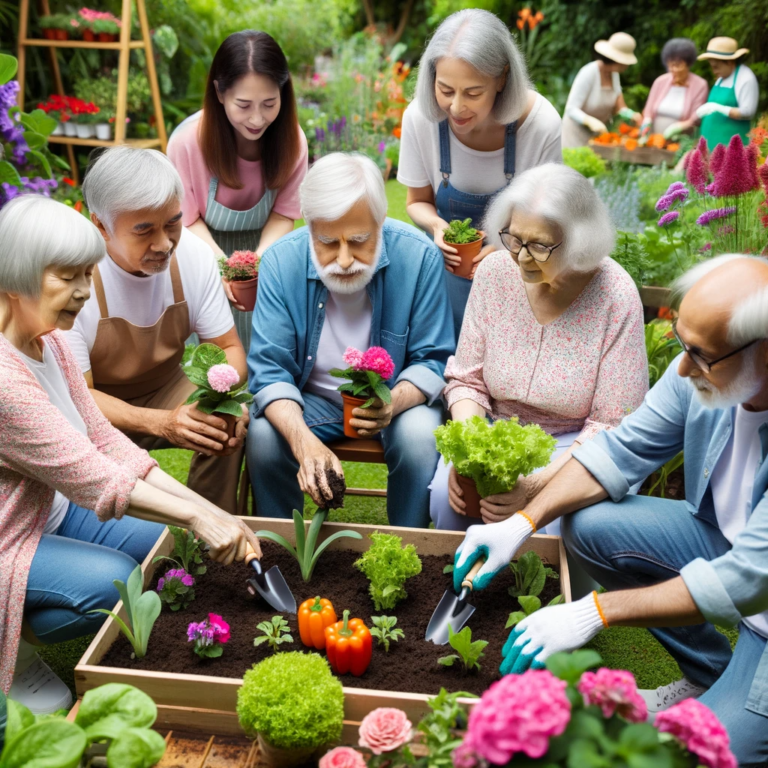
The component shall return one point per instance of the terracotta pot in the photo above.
(245, 292)
(231, 422)
(106, 37)
(49, 33)
(467, 252)
(350, 403)
(285, 758)
(470, 495)
(61, 34)
(88, 35)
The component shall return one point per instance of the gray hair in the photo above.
(679, 49)
(336, 182)
(125, 179)
(37, 233)
(565, 198)
(482, 40)
(749, 320)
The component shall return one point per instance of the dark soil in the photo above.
(675, 488)
(338, 487)
(411, 664)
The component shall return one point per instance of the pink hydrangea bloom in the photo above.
(696, 172)
(614, 691)
(342, 757)
(377, 359)
(353, 358)
(384, 730)
(223, 377)
(519, 713)
(700, 732)
(220, 628)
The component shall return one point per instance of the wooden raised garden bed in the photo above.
(188, 689)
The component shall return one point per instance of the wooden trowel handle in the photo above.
(470, 577)
(250, 554)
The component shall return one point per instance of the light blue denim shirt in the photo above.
(672, 419)
(411, 316)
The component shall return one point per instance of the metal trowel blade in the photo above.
(450, 610)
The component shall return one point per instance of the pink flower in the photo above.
(717, 158)
(176, 573)
(714, 214)
(342, 757)
(700, 732)
(763, 176)
(518, 713)
(703, 149)
(353, 358)
(385, 730)
(464, 757)
(223, 377)
(734, 175)
(613, 691)
(377, 359)
(696, 173)
(668, 218)
(220, 628)
(752, 159)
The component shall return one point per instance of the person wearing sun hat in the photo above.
(733, 99)
(596, 95)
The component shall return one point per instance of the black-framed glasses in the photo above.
(699, 361)
(538, 251)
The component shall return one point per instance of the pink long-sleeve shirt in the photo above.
(695, 96)
(583, 372)
(40, 452)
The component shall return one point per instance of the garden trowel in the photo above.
(453, 609)
(270, 585)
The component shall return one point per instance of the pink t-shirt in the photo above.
(184, 152)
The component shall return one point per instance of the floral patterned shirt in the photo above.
(584, 371)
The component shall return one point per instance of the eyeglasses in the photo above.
(538, 251)
(698, 360)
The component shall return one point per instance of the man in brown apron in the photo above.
(133, 364)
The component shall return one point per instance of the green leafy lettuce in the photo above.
(388, 564)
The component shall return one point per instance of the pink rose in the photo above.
(223, 377)
(353, 357)
(385, 730)
(342, 757)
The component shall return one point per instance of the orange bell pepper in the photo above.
(315, 615)
(349, 646)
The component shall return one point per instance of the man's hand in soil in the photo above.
(227, 536)
(315, 460)
(187, 427)
(370, 421)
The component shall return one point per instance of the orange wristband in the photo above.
(533, 525)
(600, 610)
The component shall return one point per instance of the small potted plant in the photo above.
(105, 30)
(241, 271)
(489, 459)
(467, 241)
(86, 30)
(59, 24)
(48, 26)
(368, 373)
(86, 119)
(104, 126)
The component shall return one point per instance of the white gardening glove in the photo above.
(630, 114)
(558, 629)
(595, 125)
(674, 129)
(496, 542)
(709, 108)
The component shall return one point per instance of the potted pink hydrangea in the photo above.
(367, 373)
(241, 271)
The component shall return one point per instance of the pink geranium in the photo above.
(519, 713)
(377, 359)
(385, 730)
(614, 691)
(699, 731)
(342, 757)
(223, 377)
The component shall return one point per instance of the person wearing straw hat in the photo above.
(596, 95)
(733, 99)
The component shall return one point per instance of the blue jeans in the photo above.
(72, 572)
(409, 452)
(643, 541)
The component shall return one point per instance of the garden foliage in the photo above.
(460, 232)
(468, 652)
(275, 632)
(385, 631)
(187, 551)
(530, 575)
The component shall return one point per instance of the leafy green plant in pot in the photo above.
(467, 241)
(490, 458)
(241, 271)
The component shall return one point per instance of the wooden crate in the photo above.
(639, 156)
(180, 695)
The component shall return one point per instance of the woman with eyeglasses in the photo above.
(553, 333)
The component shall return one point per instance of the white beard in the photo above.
(363, 272)
(741, 390)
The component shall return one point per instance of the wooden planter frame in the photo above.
(184, 700)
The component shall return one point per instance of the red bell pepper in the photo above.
(349, 646)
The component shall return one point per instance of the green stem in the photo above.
(345, 631)
(316, 606)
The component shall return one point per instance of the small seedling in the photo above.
(467, 651)
(530, 604)
(384, 630)
(460, 232)
(187, 551)
(276, 633)
(448, 568)
(530, 575)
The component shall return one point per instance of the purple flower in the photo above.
(343, 122)
(200, 632)
(663, 203)
(726, 230)
(176, 573)
(710, 188)
(382, 146)
(714, 214)
(319, 134)
(706, 247)
(668, 218)
(672, 196)
(675, 185)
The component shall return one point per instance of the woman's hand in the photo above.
(455, 495)
(231, 296)
(227, 536)
(500, 506)
(487, 250)
(450, 254)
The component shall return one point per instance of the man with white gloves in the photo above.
(693, 563)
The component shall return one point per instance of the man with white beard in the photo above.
(695, 563)
(350, 278)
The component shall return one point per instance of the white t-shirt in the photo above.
(473, 171)
(52, 380)
(587, 93)
(747, 90)
(673, 104)
(142, 300)
(347, 324)
(733, 481)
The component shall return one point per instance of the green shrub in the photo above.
(387, 565)
(292, 700)
(584, 160)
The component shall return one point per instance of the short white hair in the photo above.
(126, 179)
(482, 40)
(749, 320)
(37, 233)
(339, 180)
(565, 198)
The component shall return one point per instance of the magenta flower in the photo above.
(699, 731)
(176, 573)
(353, 358)
(714, 214)
(464, 757)
(200, 632)
(223, 377)
(377, 359)
(734, 175)
(220, 628)
(668, 218)
(753, 160)
(706, 247)
(703, 149)
(762, 174)
(664, 202)
(519, 713)
(614, 691)
(716, 159)
(671, 196)
(675, 185)
(697, 173)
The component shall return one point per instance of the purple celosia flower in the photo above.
(714, 214)
(734, 175)
(716, 159)
(668, 218)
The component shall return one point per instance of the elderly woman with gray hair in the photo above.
(475, 122)
(553, 332)
(80, 504)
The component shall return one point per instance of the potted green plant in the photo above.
(467, 241)
(86, 30)
(294, 705)
(86, 119)
(241, 271)
(105, 30)
(104, 126)
(59, 24)
(490, 458)
(48, 26)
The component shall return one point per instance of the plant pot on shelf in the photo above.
(285, 758)
(470, 495)
(106, 37)
(61, 34)
(350, 403)
(467, 252)
(88, 35)
(58, 130)
(70, 129)
(85, 130)
(103, 131)
(49, 33)
(244, 292)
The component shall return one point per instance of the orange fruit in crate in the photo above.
(630, 145)
(673, 147)
(656, 140)
(624, 128)
(634, 133)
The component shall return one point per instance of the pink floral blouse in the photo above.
(584, 371)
